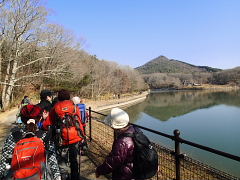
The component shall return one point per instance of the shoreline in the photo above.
(198, 88)
(101, 106)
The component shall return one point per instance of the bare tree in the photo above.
(19, 21)
(30, 47)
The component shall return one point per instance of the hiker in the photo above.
(120, 160)
(25, 101)
(132, 155)
(45, 100)
(45, 104)
(83, 110)
(27, 152)
(67, 119)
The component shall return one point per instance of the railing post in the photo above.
(90, 123)
(177, 154)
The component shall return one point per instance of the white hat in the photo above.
(31, 121)
(120, 118)
(76, 100)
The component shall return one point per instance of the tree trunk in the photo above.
(5, 86)
(9, 83)
(1, 60)
(0, 65)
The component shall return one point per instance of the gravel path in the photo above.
(6, 120)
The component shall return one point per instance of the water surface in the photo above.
(207, 118)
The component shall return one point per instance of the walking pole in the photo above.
(79, 159)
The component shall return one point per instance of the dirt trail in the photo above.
(6, 120)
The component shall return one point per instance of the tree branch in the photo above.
(14, 85)
(36, 60)
(41, 74)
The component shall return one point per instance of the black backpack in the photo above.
(145, 161)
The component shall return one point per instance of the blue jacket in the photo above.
(82, 108)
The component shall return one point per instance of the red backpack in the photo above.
(29, 159)
(69, 122)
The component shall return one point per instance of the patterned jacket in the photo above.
(8, 149)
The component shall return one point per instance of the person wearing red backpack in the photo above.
(66, 117)
(28, 152)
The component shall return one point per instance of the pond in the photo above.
(208, 118)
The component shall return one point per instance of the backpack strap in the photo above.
(127, 135)
(17, 136)
(77, 125)
(40, 133)
(80, 133)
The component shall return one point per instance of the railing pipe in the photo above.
(98, 113)
(153, 131)
(177, 153)
(215, 151)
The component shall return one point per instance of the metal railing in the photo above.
(173, 164)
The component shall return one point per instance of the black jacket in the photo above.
(45, 105)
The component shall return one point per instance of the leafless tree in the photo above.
(19, 21)
(30, 47)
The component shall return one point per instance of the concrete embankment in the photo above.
(121, 102)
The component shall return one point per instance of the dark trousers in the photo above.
(73, 153)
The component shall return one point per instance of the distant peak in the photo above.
(162, 64)
(159, 58)
(162, 57)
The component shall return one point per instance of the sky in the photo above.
(133, 32)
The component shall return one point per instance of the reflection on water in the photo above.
(166, 105)
(208, 118)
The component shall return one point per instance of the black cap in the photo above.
(44, 93)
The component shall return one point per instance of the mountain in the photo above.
(162, 64)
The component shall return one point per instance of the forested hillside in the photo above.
(162, 64)
(35, 54)
(162, 72)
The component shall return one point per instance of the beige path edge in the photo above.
(124, 102)
(6, 120)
